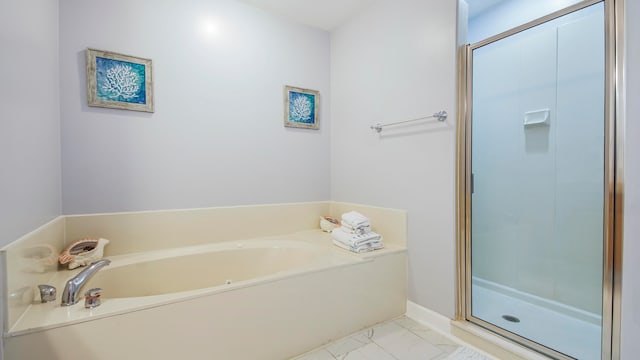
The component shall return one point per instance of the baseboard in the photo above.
(435, 320)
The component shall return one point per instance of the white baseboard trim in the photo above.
(436, 321)
(440, 324)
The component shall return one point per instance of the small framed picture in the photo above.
(301, 107)
(119, 81)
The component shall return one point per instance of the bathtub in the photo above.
(216, 267)
(266, 298)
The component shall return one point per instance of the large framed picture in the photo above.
(119, 81)
(301, 107)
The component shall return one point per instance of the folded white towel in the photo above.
(355, 219)
(355, 230)
(359, 249)
(355, 240)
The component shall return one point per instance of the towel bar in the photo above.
(440, 115)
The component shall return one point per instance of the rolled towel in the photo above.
(355, 240)
(355, 219)
(359, 249)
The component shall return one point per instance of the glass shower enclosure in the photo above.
(536, 156)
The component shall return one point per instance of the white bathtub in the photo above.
(217, 267)
(269, 298)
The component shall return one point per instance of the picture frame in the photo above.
(301, 108)
(119, 81)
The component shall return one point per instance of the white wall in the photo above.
(396, 61)
(29, 119)
(29, 128)
(217, 136)
(631, 247)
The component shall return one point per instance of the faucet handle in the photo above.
(47, 293)
(92, 298)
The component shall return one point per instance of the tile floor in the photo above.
(398, 339)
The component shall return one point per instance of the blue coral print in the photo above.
(301, 107)
(120, 81)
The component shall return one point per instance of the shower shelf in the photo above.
(537, 117)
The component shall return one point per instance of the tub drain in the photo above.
(511, 318)
(228, 282)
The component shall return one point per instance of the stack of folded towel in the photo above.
(355, 234)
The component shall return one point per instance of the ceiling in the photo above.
(329, 14)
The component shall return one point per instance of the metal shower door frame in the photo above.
(613, 171)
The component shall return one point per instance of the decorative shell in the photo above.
(328, 223)
(83, 252)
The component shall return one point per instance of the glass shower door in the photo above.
(537, 163)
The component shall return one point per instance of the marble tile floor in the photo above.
(398, 339)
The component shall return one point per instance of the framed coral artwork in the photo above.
(119, 81)
(301, 107)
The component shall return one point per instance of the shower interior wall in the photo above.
(630, 89)
(538, 194)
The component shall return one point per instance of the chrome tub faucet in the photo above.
(72, 289)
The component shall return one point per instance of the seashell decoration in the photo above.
(83, 252)
(328, 223)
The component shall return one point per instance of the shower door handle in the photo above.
(471, 184)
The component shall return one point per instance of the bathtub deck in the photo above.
(39, 317)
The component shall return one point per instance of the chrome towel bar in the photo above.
(440, 115)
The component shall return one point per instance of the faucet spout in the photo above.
(76, 283)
